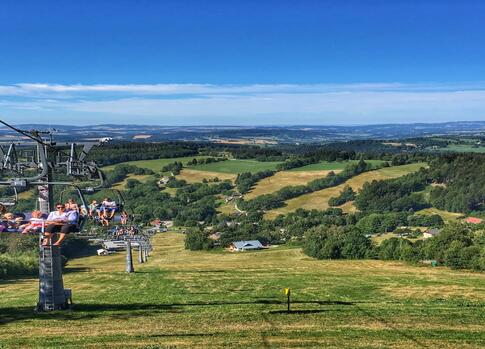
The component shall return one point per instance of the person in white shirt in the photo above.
(62, 222)
(109, 207)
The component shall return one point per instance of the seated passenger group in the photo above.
(63, 220)
(103, 212)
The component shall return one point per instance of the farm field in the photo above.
(236, 166)
(183, 299)
(283, 179)
(330, 165)
(319, 200)
(463, 148)
(170, 191)
(122, 185)
(156, 164)
(446, 215)
(192, 176)
(227, 208)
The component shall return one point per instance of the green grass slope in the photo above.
(182, 299)
(156, 164)
(236, 166)
(331, 165)
(318, 200)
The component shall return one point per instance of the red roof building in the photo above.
(473, 220)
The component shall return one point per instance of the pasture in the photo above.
(447, 216)
(183, 299)
(192, 176)
(331, 165)
(235, 166)
(122, 185)
(283, 179)
(156, 164)
(318, 200)
(463, 148)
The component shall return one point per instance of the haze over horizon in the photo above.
(242, 63)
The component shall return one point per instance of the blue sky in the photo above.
(241, 62)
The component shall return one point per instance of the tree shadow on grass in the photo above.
(14, 314)
(83, 312)
(88, 311)
(298, 311)
(69, 270)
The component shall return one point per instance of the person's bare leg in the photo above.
(62, 237)
(47, 239)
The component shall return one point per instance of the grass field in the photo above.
(122, 185)
(284, 179)
(157, 164)
(330, 165)
(183, 299)
(463, 148)
(447, 216)
(170, 191)
(192, 176)
(227, 208)
(319, 200)
(236, 166)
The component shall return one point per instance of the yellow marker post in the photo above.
(288, 294)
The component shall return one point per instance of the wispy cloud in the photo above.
(245, 104)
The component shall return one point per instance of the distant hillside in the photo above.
(255, 135)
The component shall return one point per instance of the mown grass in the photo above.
(156, 164)
(463, 148)
(319, 200)
(122, 185)
(236, 166)
(446, 215)
(183, 299)
(283, 179)
(193, 176)
(331, 165)
(227, 208)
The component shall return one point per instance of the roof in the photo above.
(215, 236)
(433, 231)
(473, 220)
(247, 245)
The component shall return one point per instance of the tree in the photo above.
(197, 239)
(356, 246)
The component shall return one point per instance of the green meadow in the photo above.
(331, 165)
(183, 299)
(237, 166)
(156, 164)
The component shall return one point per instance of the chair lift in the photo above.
(81, 218)
(10, 201)
(120, 203)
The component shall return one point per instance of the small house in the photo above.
(246, 245)
(431, 233)
(168, 224)
(164, 180)
(215, 236)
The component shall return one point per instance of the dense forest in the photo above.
(461, 183)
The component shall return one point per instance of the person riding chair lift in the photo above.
(61, 222)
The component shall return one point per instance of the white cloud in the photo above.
(250, 104)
